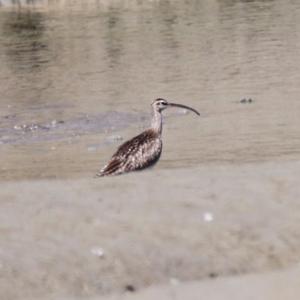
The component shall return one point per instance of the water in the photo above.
(76, 74)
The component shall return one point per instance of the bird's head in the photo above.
(160, 104)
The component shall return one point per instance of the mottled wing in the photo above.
(138, 153)
(111, 168)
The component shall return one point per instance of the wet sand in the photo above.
(89, 237)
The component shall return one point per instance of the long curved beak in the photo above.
(184, 106)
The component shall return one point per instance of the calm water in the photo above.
(78, 77)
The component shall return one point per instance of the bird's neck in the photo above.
(156, 123)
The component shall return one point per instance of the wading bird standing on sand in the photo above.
(143, 150)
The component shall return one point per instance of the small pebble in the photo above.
(10, 116)
(213, 275)
(244, 100)
(208, 217)
(129, 288)
(97, 251)
(17, 127)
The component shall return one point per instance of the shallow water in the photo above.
(78, 77)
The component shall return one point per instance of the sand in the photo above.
(271, 286)
(178, 233)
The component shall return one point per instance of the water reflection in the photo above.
(93, 57)
(170, 20)
(24, 43)
(114, 36)
(234, 2)
(19, 3)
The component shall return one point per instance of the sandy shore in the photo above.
(163, 229)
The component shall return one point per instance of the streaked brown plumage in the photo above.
(143, 150)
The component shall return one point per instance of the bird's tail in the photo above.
(114, 167)
(99, 174)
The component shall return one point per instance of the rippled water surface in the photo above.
(78, 77)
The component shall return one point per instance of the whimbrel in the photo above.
(143, 150)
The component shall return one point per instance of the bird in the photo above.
(143, 150)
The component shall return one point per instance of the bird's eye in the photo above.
(159, 101)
